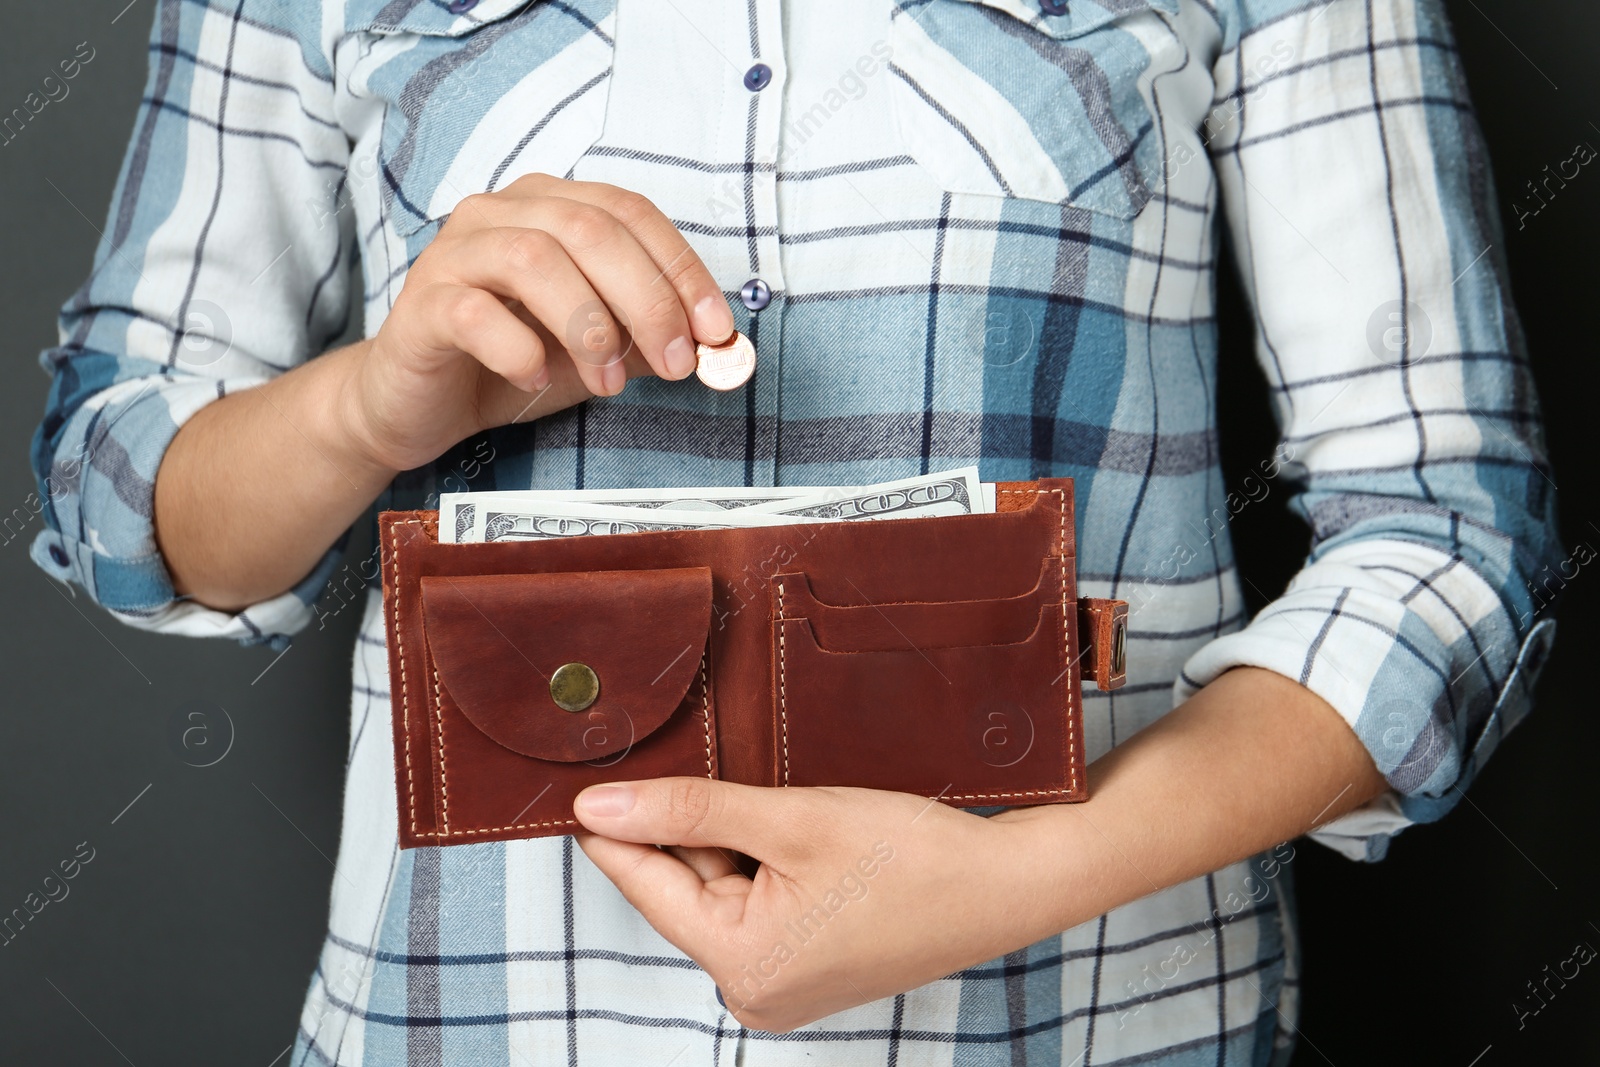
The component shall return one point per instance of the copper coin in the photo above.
(728, 365)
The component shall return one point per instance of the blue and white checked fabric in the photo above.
(991, 235)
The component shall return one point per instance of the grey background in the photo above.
(191, 935)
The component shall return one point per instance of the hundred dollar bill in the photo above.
(457, 511)
(541, 520)
(549, 512)
(954, 492)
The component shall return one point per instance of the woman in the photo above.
(957, 231)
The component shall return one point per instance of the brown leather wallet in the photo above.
(938, 656)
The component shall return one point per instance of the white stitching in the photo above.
(502, 829)
(1003, 796)
(438, 712)
(783, 682)
(405, 696)
(1073, 681)
(1072, 735)
(705, 709)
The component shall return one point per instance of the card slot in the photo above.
(1049, 568)
(916, 623)
(974, 725)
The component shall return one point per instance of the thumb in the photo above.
(690, 811)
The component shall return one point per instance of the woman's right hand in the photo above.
(530, 299)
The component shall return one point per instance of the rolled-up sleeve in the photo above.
(223, 262)
(1357, 190)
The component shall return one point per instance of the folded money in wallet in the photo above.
(941, 656)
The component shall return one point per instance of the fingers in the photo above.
(466, 319)
(602, 269)
(683, 269)
(667, 892)
(632, 255)
(532, 267)
(709, 863)
(627, 279)
(764, 823)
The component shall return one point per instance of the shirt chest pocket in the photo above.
(478, 94)
(998, 97)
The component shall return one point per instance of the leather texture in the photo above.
(937, 656)
(495, 640)
(1104, 626)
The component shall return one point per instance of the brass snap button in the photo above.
(1119, 648)
(574, 686)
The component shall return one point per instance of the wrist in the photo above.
(342, 426)
(1252, 760)
(1063, 868)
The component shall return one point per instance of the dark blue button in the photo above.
(58, 554)
(758, 77)
(756, 294)
(724, 1003)
(461, 7)
(1053, 7)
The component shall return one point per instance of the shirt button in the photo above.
(58, 554)
(758, 77)
(756, 294)
(461, 7)
(1053, 7)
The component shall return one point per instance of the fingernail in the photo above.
(680, 358)
(713, 321)
(541, 380)
(606, 801)
(613, 377)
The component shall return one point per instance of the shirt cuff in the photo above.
(1418, 654)
(100, 502)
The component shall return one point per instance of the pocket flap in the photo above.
(431, 18)
(872, 624)
(497, 640)
(1080, 16)
(509, 88)
(995, 98)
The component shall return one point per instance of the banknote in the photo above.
(457, 511)
(541, 520)
(540, 514)
(954, 492)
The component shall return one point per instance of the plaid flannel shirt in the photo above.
(989, 230)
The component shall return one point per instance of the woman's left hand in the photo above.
(861, 893)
